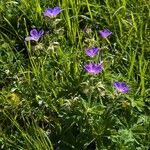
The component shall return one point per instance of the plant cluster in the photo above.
(65, 85)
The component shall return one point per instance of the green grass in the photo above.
(47, 99)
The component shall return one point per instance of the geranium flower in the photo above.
(121, 87)
(34, 35)
(52, 12)
(93, 68)
(92, 52)
(105, 33)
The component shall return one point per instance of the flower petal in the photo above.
(33, 32)
(88, 67)
(123, 84)
(92, 51)
(48, 12)
(116, 84)
(41, 32)
(125, 89)
(29, 38)
(105, 33)
(121, 87)
(56, 10)
(99, 68)
(93, 68)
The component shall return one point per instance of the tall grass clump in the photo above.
(74, 74)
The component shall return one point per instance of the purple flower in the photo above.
(121, 87)
(52, 12)
(34, 35)
(93, 68)
(92, 52)
(105, 33)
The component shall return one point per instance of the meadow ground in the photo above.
(70, 85)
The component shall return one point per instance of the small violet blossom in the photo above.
(105, 33)
(93, 68)
(52, 12)
(34, 35)
(121, 87)
(92, 52)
